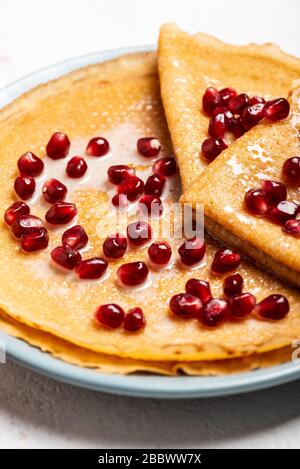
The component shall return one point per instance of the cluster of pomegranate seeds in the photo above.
(92, 268)
(225, 260)
(58, 146)
(133, 273)
(66, 257)
(236, 113)
(148, 146)
(76, 167)
(113, 316)
(192, 251)
(139, 233)
(97, 146)
(30, 165)
(24, 186)
(115, 246)
(160, 252)
(54, 191)
(75, 237)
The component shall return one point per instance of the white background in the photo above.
(37, 412)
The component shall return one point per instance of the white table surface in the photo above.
(36, 412)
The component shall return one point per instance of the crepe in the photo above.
(119, 100)
(189, 64)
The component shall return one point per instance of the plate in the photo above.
(133, 385)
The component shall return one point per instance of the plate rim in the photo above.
(130, 385)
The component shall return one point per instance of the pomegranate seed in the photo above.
(211, 99)
(241, 305)
(97, 146)
(119, 200)
(257, 100)
(134, 320)
(139, 233)
(275, 191)
(165, 166)
(148, 146)
(35, 239)
(132, 187)
(151, 205)
(155, 185)
(133, 273)
(15, 210)
(220, 110)
(66, 257)
(256, 202)
(291, 170)
(160, 252)
(215, 312)
(76, 167)
(110, 315)
(217, 126)
(192, 251)
(119, 173)
(30, 165)
(212, 147)
(277, 109)
(238, 103)
(115, 246)
(75, 237)
(24, 186)
(91, 268)
(200, 289)
(273, 307)
(292, 227)
(238, 128)
(61, 213)
(225, 260)
(283, 212)
(24, 223)
(252, 115)
(226, 94)
(54, 191)
(58, 146)
(233, 285)
(186, 305)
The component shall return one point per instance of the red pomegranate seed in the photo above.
(252, 115)
(273, 307)
(139, 233)
(97, 146)
(211, 99)
(15, 210)
(277, 109)
(283, 212)
(24, 223)
(133, 273)
(217, 126)
(291, 170)
(66, 257)
(148, 146)
(35, 239)
(233, 285)
(91, 268)
(75, 237)
(241, 305)
(24, 186)
(292, 227)
(151, 205)
(134, 320)
(61, 213)
(192, 251)
(200, 289)
(225, 260)
(58, 146)
(160, 252)
(76, 167)
(212, 147)
(119, 173)
(256, 202)
(186, 305)
(257, 100)
(275, 191)
(155, 185)
(238, 128)
(165, 166)
(226, 94)
(110, 315)
(115, 246)
(132, 187)
(119, 200)
(54, 191)
(238, 103)
(214, 312)
(30, 165)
